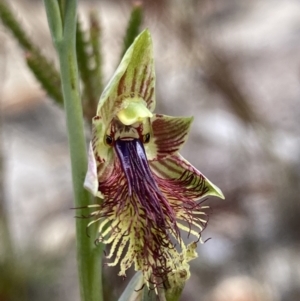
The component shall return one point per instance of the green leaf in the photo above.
(89, 63)
(133, 27)
(86, 74)
(95, 32)
(42, 68)
(48, 77)
(8, 19)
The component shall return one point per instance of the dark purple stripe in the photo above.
(142, 186)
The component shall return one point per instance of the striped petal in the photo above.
(100, 160)
(178, 179)
(134, 80)
(91, 182)
(168, 135)
(182, 184)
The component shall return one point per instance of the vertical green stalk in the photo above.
(133, 26)
(63, 31)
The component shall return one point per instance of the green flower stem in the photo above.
(64, 36)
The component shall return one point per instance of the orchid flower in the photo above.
(149, 190)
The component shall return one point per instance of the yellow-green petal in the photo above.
(180, 273)
(188, 182)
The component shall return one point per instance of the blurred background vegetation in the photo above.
(234, 66)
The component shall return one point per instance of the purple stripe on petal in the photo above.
(179, 179)
(170, 133)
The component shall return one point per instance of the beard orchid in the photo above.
(149, 190)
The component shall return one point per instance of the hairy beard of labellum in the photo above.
(191, 216)
(142, 186)
(141, 218)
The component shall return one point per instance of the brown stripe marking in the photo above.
(148, 82)
(143, 80)
(133, 81)
(121, 86)
(166, 163)
(169, 135)
(149, 98)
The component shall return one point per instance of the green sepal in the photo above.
(134, 78)
(197, 186)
